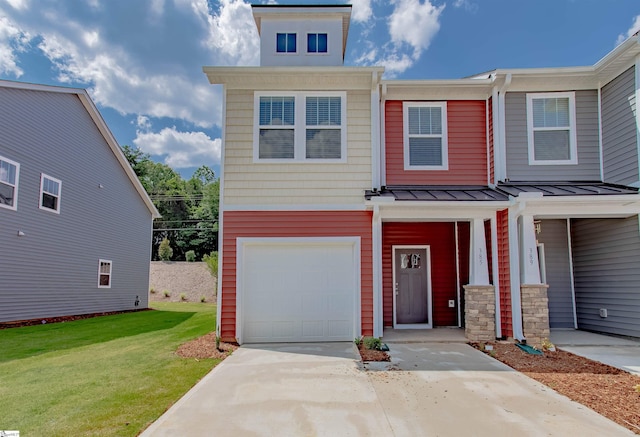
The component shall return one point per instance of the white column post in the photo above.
(478, 266)
(529, 267)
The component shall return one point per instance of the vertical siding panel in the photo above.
(588, 167)
(492, 162)
(295, 224)
(53, 269)
(467, 138)
(464, 243)
(441, 239)
(619, 132)
(606, 256)
(504, 269)
(556, 249)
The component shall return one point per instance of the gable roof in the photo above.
(95, 115)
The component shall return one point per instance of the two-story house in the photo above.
(351, 204)
(75, 221)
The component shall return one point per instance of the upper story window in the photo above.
(551, 126)
(425, 136)
(50, 193)
(317, 43)
(286, 43)
(300, 127)
(9, 172)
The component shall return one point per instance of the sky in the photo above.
(141, 60)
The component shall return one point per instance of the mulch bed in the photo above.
(605, 389)
(62, 319)
(205, 347)
(372, 355)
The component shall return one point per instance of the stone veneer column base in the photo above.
(535, 313)
(480, 312)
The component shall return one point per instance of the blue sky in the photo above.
(141, 60)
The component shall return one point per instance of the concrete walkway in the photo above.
(320, 390)
(622, 353)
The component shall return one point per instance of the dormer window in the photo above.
(286, 43)
(316, 43)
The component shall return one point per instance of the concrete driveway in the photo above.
(321, 390)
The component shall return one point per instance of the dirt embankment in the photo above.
(179, 278)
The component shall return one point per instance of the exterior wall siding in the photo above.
(504, 270)
(619, 131)
(467, 138)
(606, 256)
(441, 239)
(556, 249)
(464, 243)
(294, 224)
(53, 269)
(492, 159)
(588, 167)
(249, 183)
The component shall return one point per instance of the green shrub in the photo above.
(166, 293)
(202, 299)
(212, 263)
(165, 252)
(190, 256)
(373, 343)
(152, 290)
(183, 296)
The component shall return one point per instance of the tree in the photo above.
(165, 251)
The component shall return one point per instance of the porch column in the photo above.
(529, 268)
(478, 264)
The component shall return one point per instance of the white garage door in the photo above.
(298, 292)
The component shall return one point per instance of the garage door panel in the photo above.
(296, 292)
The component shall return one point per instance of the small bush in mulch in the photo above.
(205, 347)
(369, 348)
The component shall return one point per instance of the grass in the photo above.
(110, 375)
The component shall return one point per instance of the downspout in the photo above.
(375, 131)
(501, 172)
(376, 225)
(383, 157)
(221, 214)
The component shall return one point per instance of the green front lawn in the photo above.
(110, 375)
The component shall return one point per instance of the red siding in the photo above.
(441, 239)
(464, 241)
(504, 270)
(491, 157)
(467, 133)
(294, 224)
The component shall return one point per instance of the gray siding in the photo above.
(556, 249)
(619, 133)
(606, 256)
(53, 269)
(588, 167)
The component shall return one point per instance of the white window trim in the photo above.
(299, 127)
(316, 53)
(573, 141)
(285, 53)
(444, 136)
(110, 272)
(44, 208)
(13, 207)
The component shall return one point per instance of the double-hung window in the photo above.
(9, 174)
(300, 127)
(551, 125)
(50, 193)
(425, 136)
(286, 43)
(316, 43)
(104, 273)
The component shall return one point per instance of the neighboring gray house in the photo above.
(75, 222)
(567, 151)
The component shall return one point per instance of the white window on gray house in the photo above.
(551, 126)
(50, 193)
(425, 136)
(9, 175)
(323, 132)
(316, 43)
(286, 43)
(300, 127)
(104, 273)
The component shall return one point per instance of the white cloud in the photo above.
(635, 27)
(19, 4)
(414, 23)
(143, 123)
(183, 149)
(361, 10)
(12, 41)
(468, 5)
